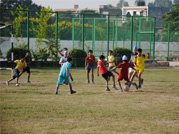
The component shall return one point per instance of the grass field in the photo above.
(35, 109)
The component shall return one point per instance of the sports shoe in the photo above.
(113, 86)
(73, 92)
(56, 92)
(120, 90)
(92, 82)
(88, 82)
(107, 89)
(135, 85)
(142, 81)
(28, 82)
(17, 84)
(7, 82)
(139, 86)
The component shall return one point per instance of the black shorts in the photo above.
(27, 69)
(17, 74)
(107, 75)
(90, 67)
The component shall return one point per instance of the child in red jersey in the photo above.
(104, 72)
(123, 74)
(89, 65)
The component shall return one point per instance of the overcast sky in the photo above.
(62, 4)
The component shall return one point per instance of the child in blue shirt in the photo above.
(65, 75)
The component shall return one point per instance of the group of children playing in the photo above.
(135, 65)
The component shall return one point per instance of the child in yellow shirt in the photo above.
(21, 65)
(139, 64)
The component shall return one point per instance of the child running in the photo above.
(111, 61)
(131, 71)
(28, 60)
(123, 74)
(63, 59)
(89, 65)
(104, 72)
(139, 64)
(65, 75)
(21, 65)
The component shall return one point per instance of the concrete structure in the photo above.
(103, 9)
(135, 10)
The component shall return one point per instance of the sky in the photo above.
(63, 4)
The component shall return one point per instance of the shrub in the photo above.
(119, 52)
(17, 53)
(78, 56)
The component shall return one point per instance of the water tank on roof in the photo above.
(141, 3)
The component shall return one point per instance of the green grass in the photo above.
(34, 108)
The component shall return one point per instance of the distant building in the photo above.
(135, 10)
(103, 9)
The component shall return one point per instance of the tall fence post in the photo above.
(150, 38)
(83, 31)
(168, 51)
(113, 33)
(116, 30)
(28, 29)
(154, 38)
(139, 32)
(56, 31)
(73, 30)
(93, 36)
(107, 36)
(132, 32)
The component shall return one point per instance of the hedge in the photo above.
(78, 57)
(17, 53)
(119, 52)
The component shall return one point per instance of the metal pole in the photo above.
(154, 39)
(73, 34)
(12, 51)
(113, 33)
(139, 30)
(93, 36)
(150, 39)
(168, 52)
(83, 31)
(107, 36)
(123, 40)
(116, 31)
(28, 29)
(131, 32)
(56, 31)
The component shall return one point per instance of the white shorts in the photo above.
(131, 70)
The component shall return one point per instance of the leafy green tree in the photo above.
(173, 16)
(135, 3)
(176, 2)
(163, 3)
(122, 3)
(17, 24)
(13, 4)
(41, 34)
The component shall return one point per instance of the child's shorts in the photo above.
(27, 69)
(107, 75)
(121, 77)
(139, 70)
(90, 67)
(131, 70)
(17, 74)
(61, 79)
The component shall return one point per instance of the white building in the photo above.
(135, 10)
